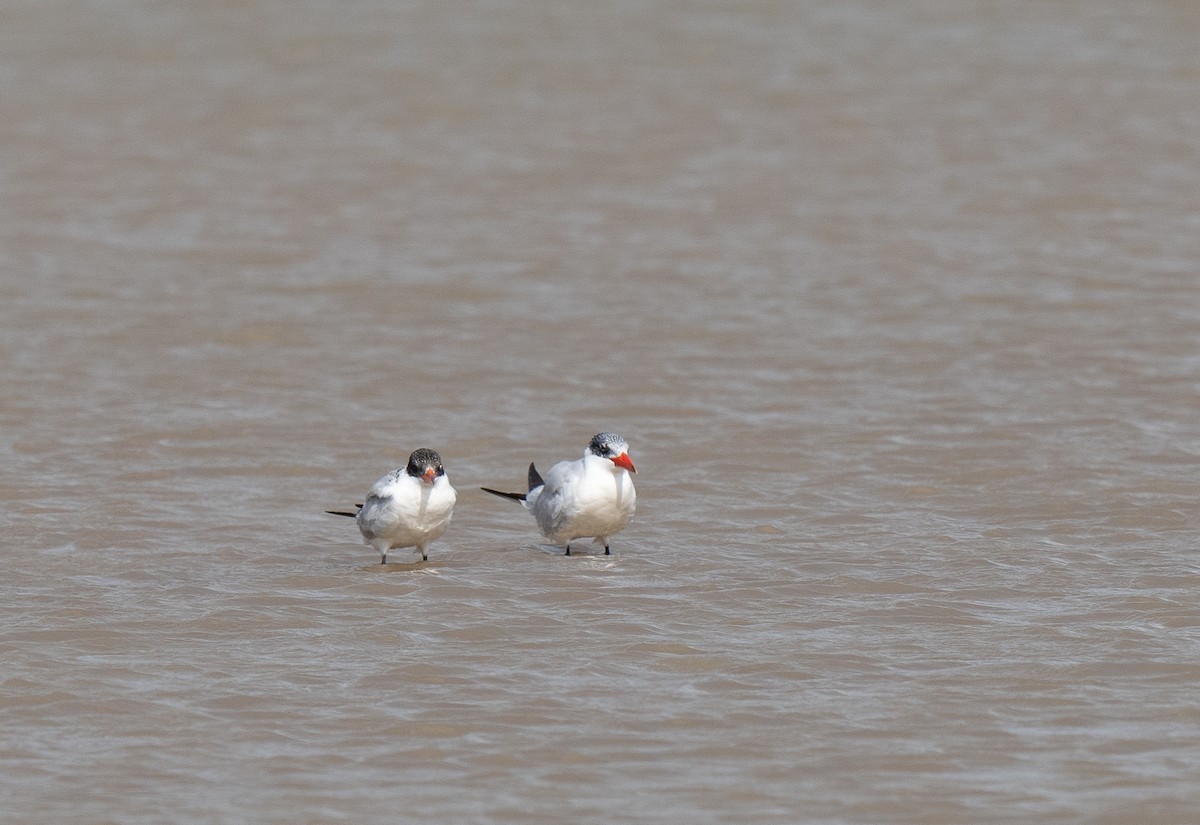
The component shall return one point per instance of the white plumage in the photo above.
(408, 507)
(592, 496)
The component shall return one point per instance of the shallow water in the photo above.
(896, 306)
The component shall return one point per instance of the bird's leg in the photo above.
(384, 559)
(606, 550)
(568, 549)
(423, 556)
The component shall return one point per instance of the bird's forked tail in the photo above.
(535, 480)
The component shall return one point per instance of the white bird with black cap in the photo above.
(592, 496)
(409, 507)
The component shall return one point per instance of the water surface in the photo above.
(895, 304)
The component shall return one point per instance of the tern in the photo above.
(409, 507)
(593, 496)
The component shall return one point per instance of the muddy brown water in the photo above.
(896, 304)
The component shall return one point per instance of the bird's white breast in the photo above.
(404, 511)
(589, 497)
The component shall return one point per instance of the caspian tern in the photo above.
(409, 507)
(593, 496)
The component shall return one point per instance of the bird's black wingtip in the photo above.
(513, 496)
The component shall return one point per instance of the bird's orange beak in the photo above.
(430, 476)
(623, 461)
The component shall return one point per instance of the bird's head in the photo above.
(614, 448)
(425, 465)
